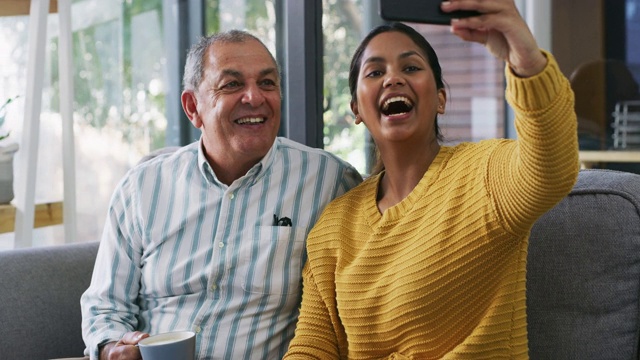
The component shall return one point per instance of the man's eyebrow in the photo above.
(269, 71)
(238, 74)
(231, 72)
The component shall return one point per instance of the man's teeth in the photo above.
(250, 121)
(394, 99)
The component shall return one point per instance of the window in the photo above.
(121, 86)
(343, 26)
(256, 16)
(119, 102)
(118, 58)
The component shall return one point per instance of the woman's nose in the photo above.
(392, 79)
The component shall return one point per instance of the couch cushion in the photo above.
(40, 291)
(583, 272)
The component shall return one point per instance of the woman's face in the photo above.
(396, 94)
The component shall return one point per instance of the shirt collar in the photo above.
(253, 175)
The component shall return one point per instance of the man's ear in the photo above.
(190, 107)
(354, 108)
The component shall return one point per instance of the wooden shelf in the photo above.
(45, 215)
(590, 157)
(21, 7)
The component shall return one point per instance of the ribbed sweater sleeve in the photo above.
(544, 166)
(317, 325)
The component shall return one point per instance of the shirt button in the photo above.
(214, 287)
(231, 196)
(221, 244)
(197, 329)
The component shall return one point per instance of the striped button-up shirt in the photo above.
(183, 251)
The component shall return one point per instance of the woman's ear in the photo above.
(354, 108)
(190, 107)
(442, 100)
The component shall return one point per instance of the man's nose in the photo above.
(253, 95)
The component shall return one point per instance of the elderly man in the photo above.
(211, 238)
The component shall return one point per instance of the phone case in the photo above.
(421, 11)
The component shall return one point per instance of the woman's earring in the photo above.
(358, 119)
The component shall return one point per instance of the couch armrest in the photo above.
(40, 300)
(583, 272)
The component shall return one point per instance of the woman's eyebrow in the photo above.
(374, 59)
(410, 53)
(404, 55)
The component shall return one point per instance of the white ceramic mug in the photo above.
(177, 345)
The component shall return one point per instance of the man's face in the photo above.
(237, 105)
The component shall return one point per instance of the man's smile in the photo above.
(250, 120)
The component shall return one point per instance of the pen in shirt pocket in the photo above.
(283, 221)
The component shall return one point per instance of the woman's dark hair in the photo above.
(420, 41)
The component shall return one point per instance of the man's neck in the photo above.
(228, 172)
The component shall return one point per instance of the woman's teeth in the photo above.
(396, 105)
(394, 99)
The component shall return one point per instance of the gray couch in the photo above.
(583, 272)
(583, 276)
(40, 292)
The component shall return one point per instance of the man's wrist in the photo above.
(104, 349)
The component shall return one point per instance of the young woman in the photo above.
(426, 259)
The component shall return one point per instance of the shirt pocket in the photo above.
(272, 258)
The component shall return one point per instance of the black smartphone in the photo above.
(420, 11)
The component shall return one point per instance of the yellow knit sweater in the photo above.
(442, 273)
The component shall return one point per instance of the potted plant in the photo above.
(7, 152)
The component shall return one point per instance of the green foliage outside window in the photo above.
(342, 26)
(110, 92)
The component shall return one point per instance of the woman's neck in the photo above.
(404, 168)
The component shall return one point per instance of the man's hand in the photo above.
(123, 349)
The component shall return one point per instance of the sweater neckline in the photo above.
(398, 210)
